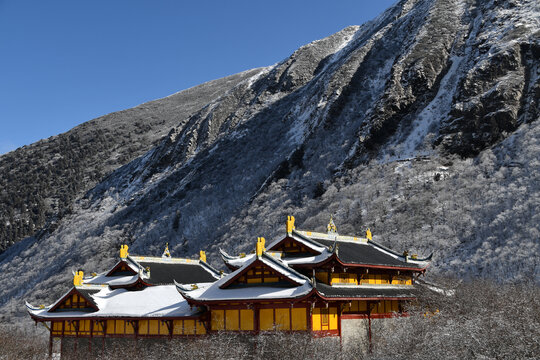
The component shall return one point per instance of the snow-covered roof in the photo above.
(235, 261)
(219, 290)
(238, 261)
(212, 292)
(298, 260)
(103, 279)
(349, 250)
(354, 250)
(314, 236)
(154, 301)
(163, 270)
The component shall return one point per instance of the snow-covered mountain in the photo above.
(420, 124)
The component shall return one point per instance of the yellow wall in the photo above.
(385, 307)
(344, 278)
(188, 327)
(299, 319)
(325, 319)
(218, 320)
(266, 319)
(385, 279)
(355, 307)
(232, 320)
(129, 327)
(122, 327)
(247, 320)
(282, 319)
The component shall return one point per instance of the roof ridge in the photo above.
(162, 260)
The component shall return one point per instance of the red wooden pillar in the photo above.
(256, 320)
(290, 316)
(309, 310)
(91, 338)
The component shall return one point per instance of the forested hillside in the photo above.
(39, 182)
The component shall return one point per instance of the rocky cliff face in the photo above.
(379, 124)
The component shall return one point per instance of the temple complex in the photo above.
(325, 284)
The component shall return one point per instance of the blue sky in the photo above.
(66, 62)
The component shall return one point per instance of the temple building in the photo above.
(322, 283)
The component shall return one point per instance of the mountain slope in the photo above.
(420, 124)
(39, 182)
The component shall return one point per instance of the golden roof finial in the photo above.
(260, 246)
(166, 253)
(331, 227)
(78, 278)
(124, 251)
(290, 224)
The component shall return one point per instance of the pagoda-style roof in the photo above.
(378, 292)
(152, 302)
(227, 289)
(162, 271)
(370, 254)
(347, 250)
(183, 271)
